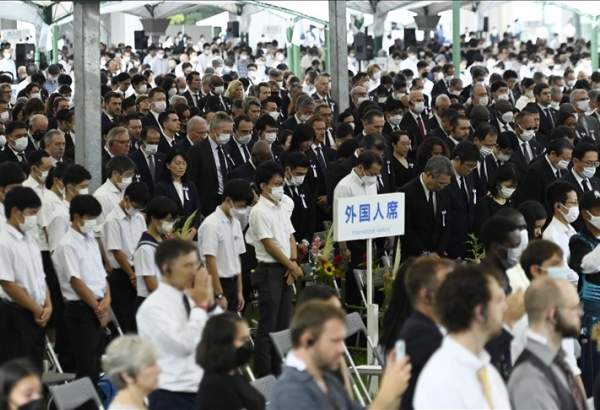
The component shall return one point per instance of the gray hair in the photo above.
(127, 354)
(439, 165)
(248, 101)
(304, 101)
(218, 119)
(574, 94)
(174, 100)
(51, 134)
(196, 120)
(440, 98)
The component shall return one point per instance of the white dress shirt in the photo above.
(221, 236)
(2, 217)
(57, 224)
(559, 233)
(269, 220)
(109, 197)
(122, 232)
(78, 256)
(162, 319)
(351, 185)
(449, 380)
(42, 193)
(21, 264)
(143, 260)
(517, 278)
(213, 147)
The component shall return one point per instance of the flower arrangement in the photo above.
(324, 265)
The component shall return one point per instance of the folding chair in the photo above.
(56, 376)
(282, 341)
(360, 281)
(114, 321)
(265, 386)
(72, 395)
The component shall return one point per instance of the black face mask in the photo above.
(38, 136)
(33, 405)
(243, 354)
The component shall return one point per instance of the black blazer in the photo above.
(227, 392)
(409, 124)
(537, 178)
(332, 104)
(546, 124)
(183, 144)
(518, 158)
(163, 145)
(69, 147)
(317, 176)
(235, 156)
(460, 216)
(290, 123)
(107, 124)
(439, 88)
(7, 155)
(422, 337)
(143, 171)
(569, 177)
(336, 172)
(191, 103)
(246, 171)
(191, 202)
(150, 121)
(304, 215)
(423, 232)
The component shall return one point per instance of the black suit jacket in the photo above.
(246, 171)
(423, 232)
(537, 178)
(332, 104)
(183, 145)
(422, 337)
(518, 158)
(460, 215)
(336, 172)
(304, 215)
(439, 88)
(107, 124)
(163, 145)
(235, 156)
(150, 121)
(191, 201)
(409, 124)
(546, 124)
(570, 178)
(69, 147)
(143, 171)
(7, 155)
(198, 107)
(290, 123)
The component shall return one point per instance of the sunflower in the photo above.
(328, 268)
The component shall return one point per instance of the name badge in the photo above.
(186, 196)
(444, 218)
(474, 197)
(303, 201)
(389, 170)
(314, 169)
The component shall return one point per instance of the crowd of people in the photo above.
(219, 167)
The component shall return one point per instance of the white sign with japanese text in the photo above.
(364, 217)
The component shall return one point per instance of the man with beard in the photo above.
(554, 313)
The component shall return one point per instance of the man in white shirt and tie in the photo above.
(460, 375)
(172, 318)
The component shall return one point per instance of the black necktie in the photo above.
(186, 305)
(197, 97)
(526, 153)
(321, 159)
(557, 174)
(576, 392)
(222, 162)
(430, 204)
(550, 118)
(586, 185)
(21, 157)
(246, 153)
(152, 167)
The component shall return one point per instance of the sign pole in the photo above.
(369, 271)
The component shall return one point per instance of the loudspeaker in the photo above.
(24, 54)
(410, 37)
(486, 22)
(363, 44)
(233, 29)
(140, 39)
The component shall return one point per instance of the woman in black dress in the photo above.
(501, 188)
(225, 347)
(403, 168)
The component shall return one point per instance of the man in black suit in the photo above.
(525, 147)
(112, 111)
(443, 85)
(193, 94)
(543, 98)
(209, 167)
(426, 209)
(16, 143)
(261, 152)
(478, 75)
(65, 121)
(215, 99)
(239, 147)
(149, 163)
(414, 121)
(421, 331)
(304, 214)
(581, 175)
(460, 127)
(196, 131)
(323, 85)
(117, 145)
(158, 106)
(170, 125)
(305, 107)
(462, 198)
(544, 171)
(441, 104)
(485, 138)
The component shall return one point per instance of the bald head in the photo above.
(261, 151)
(542, 295)
(415, 96)
(39, 123)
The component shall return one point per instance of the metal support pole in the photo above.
(88, 141)
(456, 37)
(327, 49)
(55, 32)
(594, 43)
(339, 53)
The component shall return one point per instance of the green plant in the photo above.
(186, 231)
(474, 248)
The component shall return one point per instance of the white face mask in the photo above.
(88, 226)
(572, 214)
(502, 157)
(297, 180)
(527, 135)
(2, 141)
(360, 100)
(159, 106)
(562, 164)
(270, 137)
(484, 100)
(125, 182)
(419, 107)
(219, 90)
(43, 176)
(588, 172)
(594, 220)
(304, 118)
(165, 227)
(274, 115)
(21, 144)
(84, 191)
(36, 95)
(583, 105)
(4, 116)
(151, 149)
(29, 223)
(369, 180)
(277, 193)
(377, 75)
(223, 139)
(501, 97)
(558, 272)
(396, 119)
(506, 192)
(508, 116)
(485, 151)
(142, 89)
(244, 139)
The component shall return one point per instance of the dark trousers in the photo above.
(167, 400)
(229, 286)
(21, 335)
(357, 250)
(123, 299)
(275, 310)
(87, 339)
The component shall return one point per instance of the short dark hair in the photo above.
(580, 149)
(466, 151)
(311, 317)
(297, 159)
(75, 174)
(368, 158)
(20, 197)
(558, 145)
(171, 249)
(110, 95)
(267, 170)
(146, 130)
(532, 211)
(238, 189)
(35, 158)
(137, 192)
(589, 200)
(119, 164)
(315, 292)
(537, 90)
(164, 116)
(462, 291)
(537, 252)
(11, 173)
(422, 274)
(215, 352)
(160, 207)
(85, 205)
(496, 230)
(10, 127)
(557, 192)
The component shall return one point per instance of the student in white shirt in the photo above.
(121, 233)
(271, 233)
(84, 287)
(221, 243)
(172, 318)
(161, 212)
(11, 175)
(25, 305)
(459, 375)
(120, 171)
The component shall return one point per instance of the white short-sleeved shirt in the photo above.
(42, 193)
(109, 197)
(78, 256)
(351, 185)
(561, 234)
(269, 220)
(143, 260)
(21, 263)
(57, 224)
(221, 237)
(122, 232)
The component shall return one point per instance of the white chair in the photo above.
(72, 395)
(56, 375)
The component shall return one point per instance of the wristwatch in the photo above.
(219, 296)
